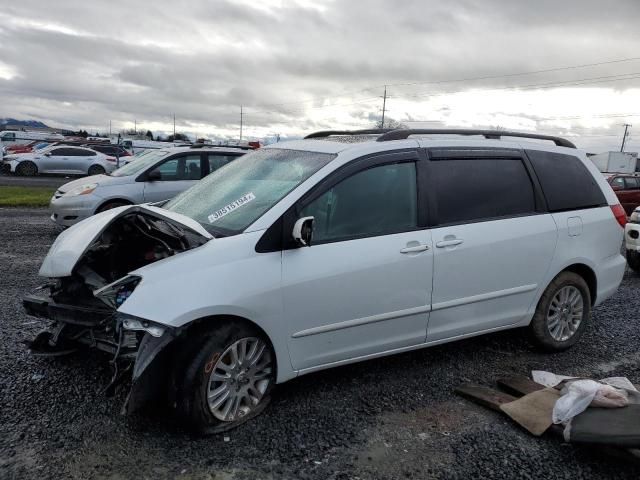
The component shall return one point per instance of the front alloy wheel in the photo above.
(239, 379)
(225, 378)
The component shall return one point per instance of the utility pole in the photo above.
(174, 127)
(109, 128)
(384, 105)
(135, 126)
(626, 134)
(241, 115)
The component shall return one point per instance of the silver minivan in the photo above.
(310, 254)
(156, 176)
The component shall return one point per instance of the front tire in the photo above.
(633, 260)
(562, 314)
(227, 380)
(27, 169)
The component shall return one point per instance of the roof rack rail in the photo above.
(207, 145)
(401, 134)
(368, 131)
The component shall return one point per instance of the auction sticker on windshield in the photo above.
(227, 209)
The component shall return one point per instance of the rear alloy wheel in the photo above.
(563, 313)
(96, 170)
(228, 380)
(27, 169)
(633, 260)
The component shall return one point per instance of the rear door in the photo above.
(493, 243)
(80, 159)
(176, 175)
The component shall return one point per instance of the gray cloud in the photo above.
(82, 66)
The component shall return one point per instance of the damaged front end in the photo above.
(88, 266)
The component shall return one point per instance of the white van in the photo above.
(310, 254)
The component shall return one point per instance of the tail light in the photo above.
(113, 160)
(620, 214)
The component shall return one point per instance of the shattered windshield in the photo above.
(236, 195)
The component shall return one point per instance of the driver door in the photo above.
(176, 175)
(364, 285)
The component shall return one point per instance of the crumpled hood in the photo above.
(72, 244)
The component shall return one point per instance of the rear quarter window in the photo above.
(566, 183)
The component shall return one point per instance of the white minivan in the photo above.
(315, 253)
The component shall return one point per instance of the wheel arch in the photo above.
(589, 276)
(151, 380)
(111, 200)
(195, 327)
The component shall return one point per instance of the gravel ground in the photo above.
(390, 418)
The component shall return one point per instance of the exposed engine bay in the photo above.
(83, 306)
(130, 242)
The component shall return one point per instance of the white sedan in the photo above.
(63, 159)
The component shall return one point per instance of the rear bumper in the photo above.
(609, 276)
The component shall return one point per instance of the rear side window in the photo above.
(618, 182)
(481, 189)
(566, 182)
(216, 161)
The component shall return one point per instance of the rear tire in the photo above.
(96, 170)
(27, 169)
(217, 389)
(633, 260)
(562, 314)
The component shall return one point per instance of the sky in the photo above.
(569, 68)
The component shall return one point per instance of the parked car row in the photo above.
(155, 176)
(60, 159)
(311, 254)
(627, 189)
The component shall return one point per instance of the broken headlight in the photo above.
(116, 293)
(129, 322)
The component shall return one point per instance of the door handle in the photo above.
(414, 249)
(449, 243)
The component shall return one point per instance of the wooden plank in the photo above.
(485, 396)
(519, 385)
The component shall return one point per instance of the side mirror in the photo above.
(48, 154)
(154, 176)
(303, 231)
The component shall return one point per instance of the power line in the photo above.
(507, 75)
(457, 80)
(547, 85)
